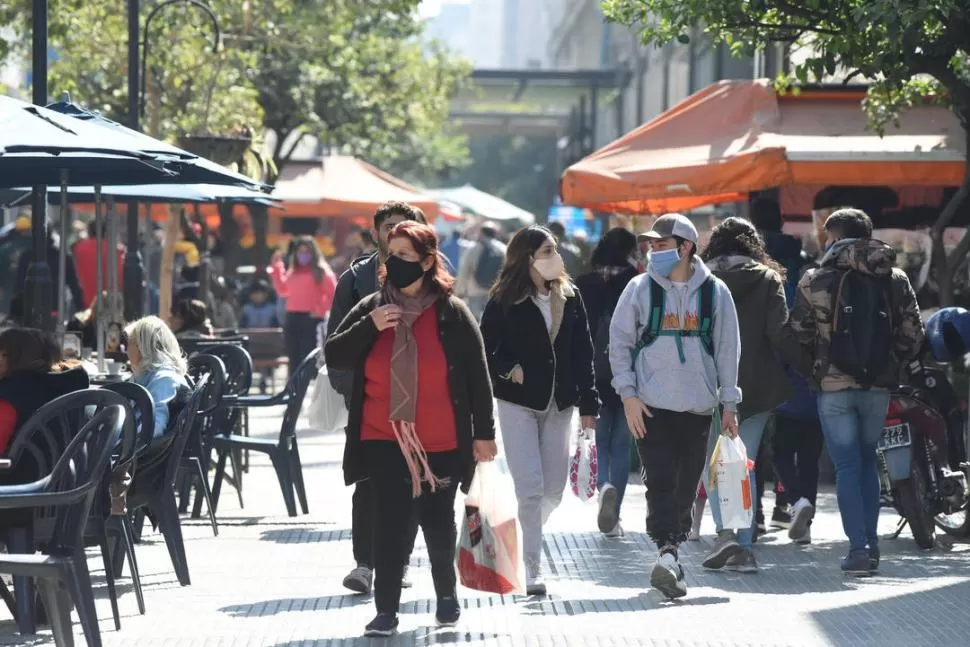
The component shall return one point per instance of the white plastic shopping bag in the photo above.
(328, 413)
(489, 551)
(730, 469)
(583, 466)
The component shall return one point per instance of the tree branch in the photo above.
(790, 28)
(289, 153)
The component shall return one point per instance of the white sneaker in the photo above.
(616, 532)
(533, 579)
(802, 513)
(667, 576)
(608, 517)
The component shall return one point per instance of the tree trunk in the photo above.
(946, 266)
(166, 281)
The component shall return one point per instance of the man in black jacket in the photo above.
(359, 281)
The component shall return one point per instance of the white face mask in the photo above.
(551, 267)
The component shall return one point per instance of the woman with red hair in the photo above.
(420, 413)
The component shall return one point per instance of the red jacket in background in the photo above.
(85, 257)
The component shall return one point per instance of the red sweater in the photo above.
(85, 255)
(435, 415)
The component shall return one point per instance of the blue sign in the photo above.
(575, 219)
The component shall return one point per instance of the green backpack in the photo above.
(658, 310)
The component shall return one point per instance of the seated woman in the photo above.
(85, 323)
(190, 320)
(157, 364)
(27, 357)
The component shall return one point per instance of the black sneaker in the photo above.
(857, 563)
(781, 518)
(874, 560)
(384, 625)
(448, 612)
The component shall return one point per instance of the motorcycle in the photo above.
(924, 472)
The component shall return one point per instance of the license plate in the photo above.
(895, 436)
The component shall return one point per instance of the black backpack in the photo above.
(862, 327)
(489, 264)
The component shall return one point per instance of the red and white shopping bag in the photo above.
(583, 465)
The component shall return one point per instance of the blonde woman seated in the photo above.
(157, 364)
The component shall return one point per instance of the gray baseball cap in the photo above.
(673, 224)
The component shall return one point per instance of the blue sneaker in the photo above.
(857, 563)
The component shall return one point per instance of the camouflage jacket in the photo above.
(811, 317)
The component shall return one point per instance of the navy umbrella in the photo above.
(167, 193)
(190, 168)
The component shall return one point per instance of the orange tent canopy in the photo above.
(343, 186)
(735, 137)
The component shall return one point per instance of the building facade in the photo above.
(659, 77)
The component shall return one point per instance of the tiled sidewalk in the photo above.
(268, 580)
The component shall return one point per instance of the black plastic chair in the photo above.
(67, 495)
(141, 404)
(283, 452)
(37, 446)
(229, 420)
(194, 468)
(152, 489)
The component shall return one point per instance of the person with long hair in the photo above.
(190, 320)
(420, 414)
(540, 357)
(158, 365)
(308, 287)
(27, 378)
(736, 254)
(614, 265)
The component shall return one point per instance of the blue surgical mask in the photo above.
(664, 262)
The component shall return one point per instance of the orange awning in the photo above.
(735, 137)
(344, 186)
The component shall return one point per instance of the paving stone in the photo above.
(271, 581)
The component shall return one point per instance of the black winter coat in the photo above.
(517, 336)
(349, 345)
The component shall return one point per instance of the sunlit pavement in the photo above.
(268, 580)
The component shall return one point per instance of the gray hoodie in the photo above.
(657, 376)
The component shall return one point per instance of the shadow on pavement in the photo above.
(287, 605)
(303, 535)
(916, 618)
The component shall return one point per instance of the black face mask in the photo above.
(402, 273)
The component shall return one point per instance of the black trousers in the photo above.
(765, 472)
(672, 455)
(362, 526)
(394, 508)
(798, 447)
(299, 336)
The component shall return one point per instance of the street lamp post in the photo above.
(38, 291)
(134, 271)
(134, 267)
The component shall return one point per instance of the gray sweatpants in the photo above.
(537, 452)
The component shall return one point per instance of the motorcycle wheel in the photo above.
(912, 503)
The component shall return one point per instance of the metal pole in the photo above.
(134, 273)
(62, 267)
(99, 302)
(146, 242)
(37, 291)
(111, 257)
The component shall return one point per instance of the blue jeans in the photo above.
(751, 431)
(613, 450)
(852, 422)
